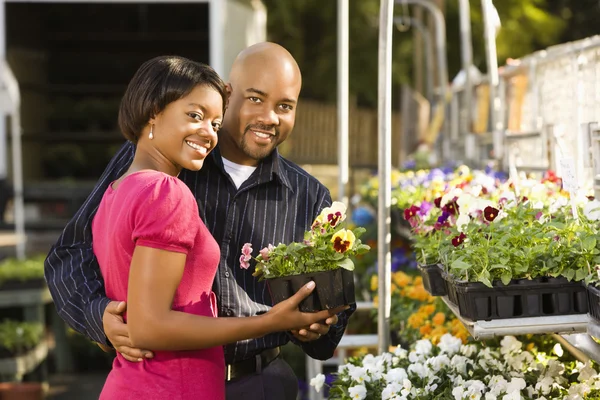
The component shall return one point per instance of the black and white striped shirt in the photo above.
(277, 204)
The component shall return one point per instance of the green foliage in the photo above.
(308, 29)
(526, 243)
(17, 337)
(17, 270)
(327, 246)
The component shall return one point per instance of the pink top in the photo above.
(156, 210)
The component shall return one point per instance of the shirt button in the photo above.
(229, 313)
(226, 274)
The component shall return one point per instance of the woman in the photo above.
(155, 252)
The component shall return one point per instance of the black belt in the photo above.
(252, 365)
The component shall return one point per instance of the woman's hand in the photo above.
(286, 315)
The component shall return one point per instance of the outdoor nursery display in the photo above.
(495, 248)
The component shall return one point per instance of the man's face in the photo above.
(261, 113)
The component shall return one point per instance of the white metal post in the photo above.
(216, 12)
(3, 138)
(492, 71)
(342, 98)
(384, 112)
(466, 50)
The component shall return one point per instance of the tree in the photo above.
(308, 29)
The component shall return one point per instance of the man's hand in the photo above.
(117, 332)
(315, 331)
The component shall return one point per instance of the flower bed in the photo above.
(452, 370)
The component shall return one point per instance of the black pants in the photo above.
(275, 382)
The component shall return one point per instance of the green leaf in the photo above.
(459, 264)
(580, 274)
(506, 277)
(589, 243)
(346, 264)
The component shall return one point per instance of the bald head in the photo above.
(268, 58)
(264, 86)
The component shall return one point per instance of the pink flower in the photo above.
(244, 262)
(247, 250)
(264, 253)
(246, 256)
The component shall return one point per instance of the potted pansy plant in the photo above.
(324, 256)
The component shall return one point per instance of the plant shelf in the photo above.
(10, 239)
(481, 330)
(25, 297)
(18, 366)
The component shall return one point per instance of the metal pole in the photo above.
(18, 182)
(384, 111)
(424, 32)
(3, 136)
(492, 69)
(440, 44)
(216, 10)
(343, 93)
(466, 51)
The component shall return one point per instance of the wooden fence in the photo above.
(314, 139)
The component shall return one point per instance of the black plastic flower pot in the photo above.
(334, 289)
(519, 299)
(593, 295)
(433, 281)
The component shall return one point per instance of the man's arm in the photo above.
(324, 346)
(71, 269)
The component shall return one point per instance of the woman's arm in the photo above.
(153, 280)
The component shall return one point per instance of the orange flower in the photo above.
(416, 320)
(439, 318)
(401, 279)
(418, 281)
(426, 329)
(419, 293)
(427, 309)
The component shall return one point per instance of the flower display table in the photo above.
(481, 330)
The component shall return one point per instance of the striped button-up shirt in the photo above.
(276, 204)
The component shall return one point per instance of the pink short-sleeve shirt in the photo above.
(153, 209)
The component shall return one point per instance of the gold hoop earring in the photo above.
(151, 135)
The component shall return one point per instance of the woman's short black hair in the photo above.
(159, 82)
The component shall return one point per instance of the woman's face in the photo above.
(186, 130)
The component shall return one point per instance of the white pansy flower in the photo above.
(497, 384)
(450, 344)
(391, 391)
(510, 344)
(358, 374)
(544, 385)
(358, 392)
(462, 221)
(515, 385)
(396, 375)
(591, 210)
(587, 372)
(317, 382)
(558, 203)
(448, 197)
(401, 353)
(423, 347)
(459, 363)
(538, 205)
(468, 350)
(418, 369)
(439, 362)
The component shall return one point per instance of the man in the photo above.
(246, 192)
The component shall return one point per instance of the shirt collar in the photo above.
(270, 168)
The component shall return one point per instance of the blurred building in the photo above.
(73, 60)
